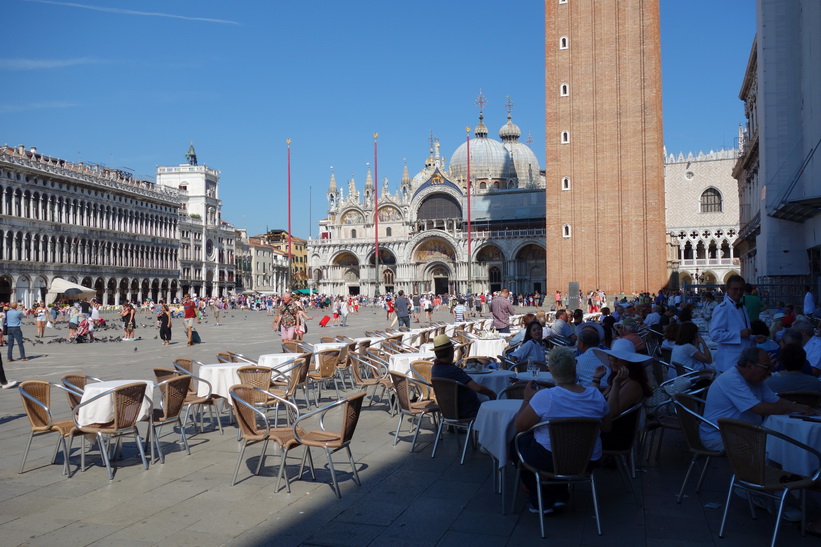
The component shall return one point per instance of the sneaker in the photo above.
(10, 384)
(535, 510)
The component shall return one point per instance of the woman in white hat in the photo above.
(628, 380)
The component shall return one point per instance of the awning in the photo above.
(72, 291)
(301, 291)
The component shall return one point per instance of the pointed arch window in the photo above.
(566, 230)
(565, 183)
(711, 201)
(564, 90)
(564, 43)
(565, 139)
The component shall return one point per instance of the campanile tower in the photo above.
(604, 146)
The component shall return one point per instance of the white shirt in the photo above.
(813, 349)
(725, 329)
(652, 319)
(586, 364)
(559, 402)
(809, 304)
(683, 355)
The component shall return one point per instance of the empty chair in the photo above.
(690, 412)
(291, 346)
(418, 410)
(174, 391)
(226, 357)
(128, 400)
(76, 384)
(327, 339)
(193, 399)
(36, 397)
(247, 414)
(746, 448)
(370, 378)
(240, 358)
(333, 441)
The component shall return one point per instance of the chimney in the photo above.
(33, 149)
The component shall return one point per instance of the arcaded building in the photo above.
(604, 170)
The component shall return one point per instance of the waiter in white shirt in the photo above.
(730, 327)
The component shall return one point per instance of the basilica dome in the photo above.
(490, 160)
(525, 164)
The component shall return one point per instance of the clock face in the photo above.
(209, 248)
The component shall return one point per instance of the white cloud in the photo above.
(134, 12)
(45, 64)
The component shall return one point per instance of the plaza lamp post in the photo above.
(376, 216)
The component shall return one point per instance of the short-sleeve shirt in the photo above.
(468, 400)
(561, 328)
(459, 312)
(683, 355)
(530, 350)
(287, 313)
(190, 309)
(731, 396)
(753, 304)
(558, 402)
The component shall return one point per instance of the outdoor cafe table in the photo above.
(792, 458)
(274, 360)
(495, 424)
(375, 341)
(221, 376)
(496, 380)
(490, 347)
(101, 411)
(401, 362)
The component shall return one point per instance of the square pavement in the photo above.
(404, 499)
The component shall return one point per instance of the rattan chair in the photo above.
(422, 369)
(419, 409)
(572, 441)
(690, 412)
(447, 397)
(343, 366)
(291, 346)
(128, 400)
(326, 372)
(240, 358)
(36, 396)
(364, 381)
(620, 442)
(746, 448)
(193, 400)
(174, 391)
(332, 441)
(257, 376)
(244, 396)
(289, 379)
(809, 398)
(76, 384)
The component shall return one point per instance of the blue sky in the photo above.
(131, 85)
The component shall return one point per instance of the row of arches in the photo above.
(110, 291)
(36, 205)
(42, 248)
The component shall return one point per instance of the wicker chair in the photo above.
(174, 391)
(572, 441)
(76, 384)
(240, 358)
(690, 416)
(343, 366)
(247, 414)
(291, 346)
(374, 379)
(810, 398)
(421, 369)
(36, 397)
(329, 440)
(291, 379)
(447, 397)
(328, 360)
(226, 357)
(192, 400)
(418, 410)
(620, 442)
(327, 339)
(257, 376)
(746, 448)
(128, 400)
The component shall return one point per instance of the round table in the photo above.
(496, 380)
(791, 457)
(495, 424)
(221, 376)
(101, 411)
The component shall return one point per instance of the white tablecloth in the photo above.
(375, 341)
(101, 411)
(790, 457)
(328, 345)
(496, 380)
(495, 424)
(488, 347)
(221, 376)
(401, 362)
(273, 360)
(540, 376)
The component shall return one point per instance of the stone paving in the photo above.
(404, 499)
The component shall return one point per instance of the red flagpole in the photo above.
(376, 209)
(290, 269)
(470, 256)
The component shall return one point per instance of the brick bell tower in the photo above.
(604, 146)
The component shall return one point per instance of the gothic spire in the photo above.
(191, 156)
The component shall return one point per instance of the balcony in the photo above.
(703, 262)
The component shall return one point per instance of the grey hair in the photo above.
(750, 354)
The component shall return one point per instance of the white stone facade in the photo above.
(702, 214)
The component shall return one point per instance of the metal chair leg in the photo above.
(333, 473)
(726, 507)
(353, 466)
(26, 453)
(262, 456)
(239, 461)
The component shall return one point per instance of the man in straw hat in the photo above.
(443, 367)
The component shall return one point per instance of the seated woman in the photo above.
(567, 400)
(670, 336)
(628, 382)
(519, 337)
(532, 348)
(690, 349)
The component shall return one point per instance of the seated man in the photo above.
(587, 361)
(443, 367)
(792, 358)
(626, 329)
(561, 328)
(741, 393)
